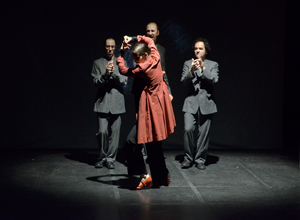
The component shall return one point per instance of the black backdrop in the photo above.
(47, 93)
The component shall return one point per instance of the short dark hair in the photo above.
(140, 49)
(205, 42)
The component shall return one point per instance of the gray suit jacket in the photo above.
(110, 96)
(199, 88)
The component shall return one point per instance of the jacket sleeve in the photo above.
(153, 57)
(121, 64)
(211, 74)
(167, 82)
(119, 78)
(100, 78)
(186, 76)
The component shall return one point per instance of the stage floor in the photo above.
(63, 184)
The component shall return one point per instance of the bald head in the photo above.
(152, 31)
(152, 23)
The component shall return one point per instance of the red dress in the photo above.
(156, 118)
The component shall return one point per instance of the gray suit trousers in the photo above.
(108, 136)
(196, 153)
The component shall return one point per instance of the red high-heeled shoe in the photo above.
(145, 181)
(166, 182)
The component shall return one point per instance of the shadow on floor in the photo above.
(210, 159)
(128, 182)
(82, 157)
(90, 158)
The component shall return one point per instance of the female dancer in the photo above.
(155, 118)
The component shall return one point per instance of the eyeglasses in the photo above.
(109, 46)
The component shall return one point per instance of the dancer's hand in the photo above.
(127, 39)
(125, 45)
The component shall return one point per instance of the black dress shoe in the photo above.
(99, 164)
(110, 165)
(185, 164)
(200, 166)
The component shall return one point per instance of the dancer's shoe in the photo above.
(166, 182)
(145, 181)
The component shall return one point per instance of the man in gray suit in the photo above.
(198, 75)
(109, 105)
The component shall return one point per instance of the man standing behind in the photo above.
(198, 75)
(109, 105)
(138, 83)
(153, 32)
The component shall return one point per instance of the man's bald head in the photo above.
(152, 31)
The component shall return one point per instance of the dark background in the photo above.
(47, 94)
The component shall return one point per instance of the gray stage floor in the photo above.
(63, 184)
